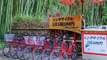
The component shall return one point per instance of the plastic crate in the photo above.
(39, 40)
(42, 39)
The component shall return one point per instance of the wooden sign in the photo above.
(70, 23)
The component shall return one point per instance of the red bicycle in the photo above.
(52, 44)
(66, 51)
(35, 45)
(71, 50)
(39, 49)
(8, 41)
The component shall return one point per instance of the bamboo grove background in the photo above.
(14, 10)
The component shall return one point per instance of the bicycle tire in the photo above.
(73, 56)
(45, 54)
(27, 53)
(36, 53)
(74, 49)
(13, 51)
(6, 50)
(64, 56)
(55, 54)
(20, 52)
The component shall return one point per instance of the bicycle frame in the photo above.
(69, 49)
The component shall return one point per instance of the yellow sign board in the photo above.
(70, 23)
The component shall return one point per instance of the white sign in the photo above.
(95, 43)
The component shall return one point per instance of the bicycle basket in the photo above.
(36, 41)
(41, 40)
(9, 37)
(28, 40)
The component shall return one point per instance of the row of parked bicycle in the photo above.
(38, 47)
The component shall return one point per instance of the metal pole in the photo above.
(74, 38)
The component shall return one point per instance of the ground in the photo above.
(5, 58)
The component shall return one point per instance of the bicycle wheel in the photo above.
(13, 51)
(73, 56)
(55, 55)
(36, 53)
(64, 56)
(5, 50)
(27, 53)
(74, 49)
(45, 54)
(20, 52)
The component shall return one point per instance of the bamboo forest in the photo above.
(15, 10)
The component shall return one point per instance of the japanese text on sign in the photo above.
(95, 43)
(71, 23)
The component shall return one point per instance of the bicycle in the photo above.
(48, 49)
(33, 47)
(53, 43)
(64, 53)
(40, 46)
(8, 39)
